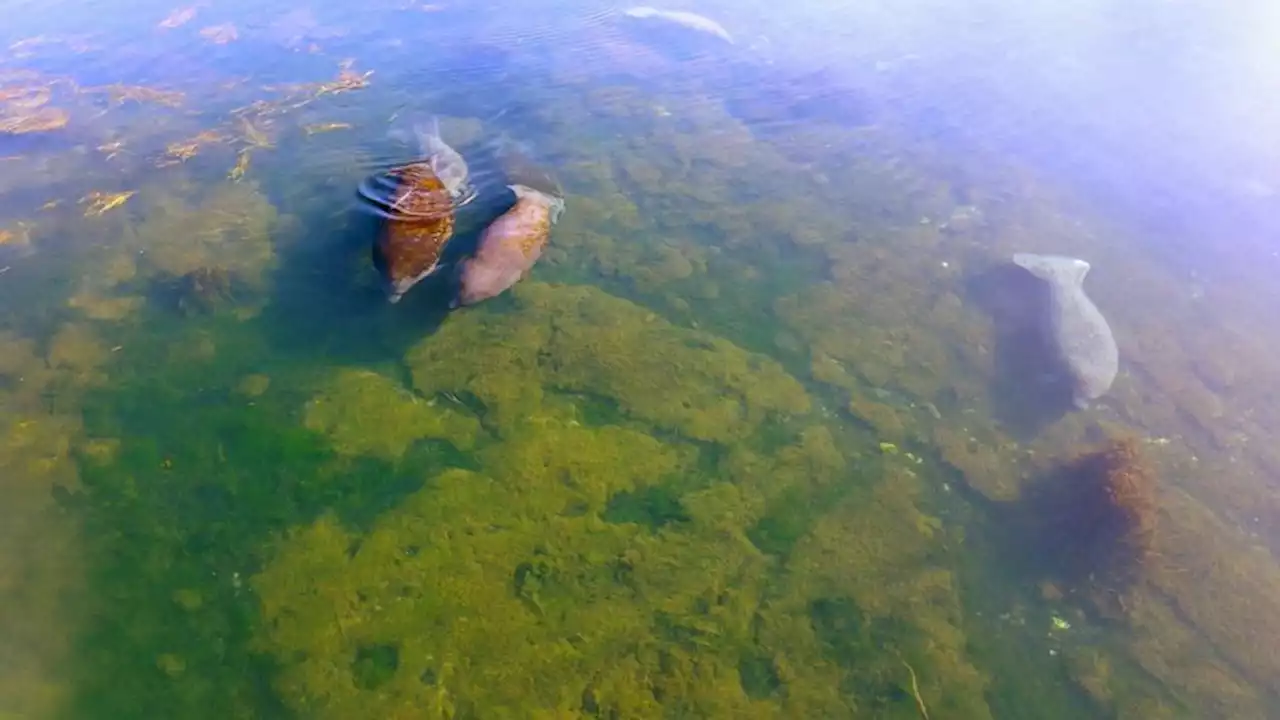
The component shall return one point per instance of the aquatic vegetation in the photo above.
(1223, 587)
(180, 151)
(96, 298)
(102, 202)
(17, 236)
(873, 601)
(42, 582)
(481, 625)
(24, 108)
(254, 385)
(1093, 518)
(582, 340)
(229, 231)
(220, 34)
(508, 590)
(41, 120)
(364, 413)
(120, 93)
(179, 17)
(202, 290)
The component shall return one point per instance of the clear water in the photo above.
(769, 431)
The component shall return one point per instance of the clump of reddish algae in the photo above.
(1094, 517)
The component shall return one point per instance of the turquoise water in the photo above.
(767, 432)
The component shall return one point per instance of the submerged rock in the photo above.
(1080, 333)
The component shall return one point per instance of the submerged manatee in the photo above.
(420, 212)
(418, 226)
(510, 246)
(693, 21)
(1083, 338)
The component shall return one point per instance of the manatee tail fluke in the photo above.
(428, 135)
(1054, 269)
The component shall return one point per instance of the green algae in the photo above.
(576, 571)
(581, 340)
(363, 413)
(511, 592)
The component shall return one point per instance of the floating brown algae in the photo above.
(41, 120)
(120, 93)
(364, 413)
(100, 203)
(580, 339)
(183, 150)
(24, 105)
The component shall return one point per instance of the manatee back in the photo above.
(1081, 333)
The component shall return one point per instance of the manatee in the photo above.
(1081, 335)
(510, 246)
(418, 225)
(693, 21)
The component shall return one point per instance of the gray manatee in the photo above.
(1082, 337)
(510, 246)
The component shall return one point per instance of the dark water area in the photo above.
(773, 428)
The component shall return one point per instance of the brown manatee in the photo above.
(419, 225)
(420, 212)
(509, 246)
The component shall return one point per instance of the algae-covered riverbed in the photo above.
(767, 432)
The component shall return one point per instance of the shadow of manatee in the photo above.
(1030, 388)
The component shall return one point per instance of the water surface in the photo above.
(767, 432)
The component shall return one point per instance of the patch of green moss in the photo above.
(527, 590)
(364, 413)
(653, 506)
(582, 340)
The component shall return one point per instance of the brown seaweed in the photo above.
(1093, 520)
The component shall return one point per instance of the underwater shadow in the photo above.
(1030, 388)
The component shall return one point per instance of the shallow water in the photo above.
(768, 431)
